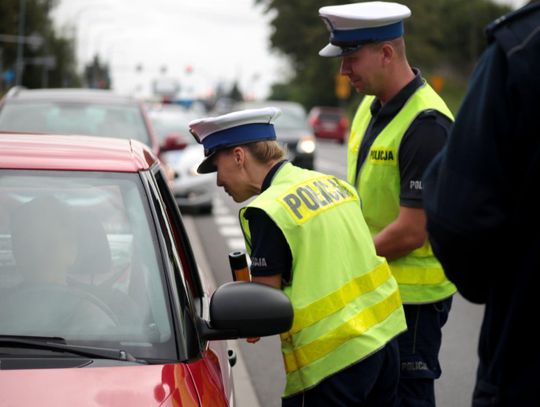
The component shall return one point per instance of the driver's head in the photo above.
(43, 236)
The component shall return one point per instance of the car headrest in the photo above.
(94, 253)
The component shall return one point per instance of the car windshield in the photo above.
(293, 115)
(78, 260)
(291, 119)
(172, 122)
(89, 119)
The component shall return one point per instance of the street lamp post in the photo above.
(20, 48)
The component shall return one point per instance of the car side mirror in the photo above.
(172, 142)
(245, 309)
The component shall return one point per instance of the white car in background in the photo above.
(193, 192)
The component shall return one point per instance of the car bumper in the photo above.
(303, 160)
(194, 191)
(334, 135)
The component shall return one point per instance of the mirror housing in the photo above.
(246, 309)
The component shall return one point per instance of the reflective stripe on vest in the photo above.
(419, 274)
(346, 302)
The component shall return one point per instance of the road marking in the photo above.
(230, 231)
(237, 244)
(226, 220)
(331, 167)
(220, 210)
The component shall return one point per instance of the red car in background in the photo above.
(101, 299)
(329, 123)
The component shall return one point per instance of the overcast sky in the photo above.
(221, 40)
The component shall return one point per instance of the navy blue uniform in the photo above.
(483, 219)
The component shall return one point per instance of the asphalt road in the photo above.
(219, 233)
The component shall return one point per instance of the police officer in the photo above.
(306, 235)
(398, 128)
(482, 215)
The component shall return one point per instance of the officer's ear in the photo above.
(387, 52)
(239, 155)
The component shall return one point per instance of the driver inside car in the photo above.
(44, 246)
(43, 238)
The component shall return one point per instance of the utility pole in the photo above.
(1, 70)
(20, 48)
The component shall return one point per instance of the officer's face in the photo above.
(363, 68)
(231, 175)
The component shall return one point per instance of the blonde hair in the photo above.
(266, 151)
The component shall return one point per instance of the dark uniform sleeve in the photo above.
(464, 187)
(422, 142)
(270, 252)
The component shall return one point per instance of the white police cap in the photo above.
(353, 25)
(232, 129)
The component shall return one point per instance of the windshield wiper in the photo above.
(58, 344)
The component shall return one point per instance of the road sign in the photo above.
(8, 75)
(343, 87)
(48, 60)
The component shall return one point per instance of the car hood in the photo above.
(149, 385)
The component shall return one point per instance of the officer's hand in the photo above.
(253, 340)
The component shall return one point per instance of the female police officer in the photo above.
(306, 235)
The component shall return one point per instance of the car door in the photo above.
(210, 369)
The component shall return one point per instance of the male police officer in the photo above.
(482, 217)
(306, 235)
(398, 128)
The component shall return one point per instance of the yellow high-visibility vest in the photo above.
(346, 302)
(419, 274)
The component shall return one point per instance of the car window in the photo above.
(291, 119)
(79, 260)
(189, 267)
(329, 116)
(293, 115)
(173, 121)
(90, 119)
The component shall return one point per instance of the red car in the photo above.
(101, 300)
(329, 123)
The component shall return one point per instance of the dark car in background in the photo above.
(101, 298)
(329, 123)
(292, 129)
(193, 192)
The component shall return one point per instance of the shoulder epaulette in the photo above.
(509, 18)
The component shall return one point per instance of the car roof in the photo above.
(73, 153)
(69, 95)
(333, 109)
(270, 102)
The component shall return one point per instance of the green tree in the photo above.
(96, 74)
(235, 93)
(299, 34)
(60, 68)
(448, 35)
